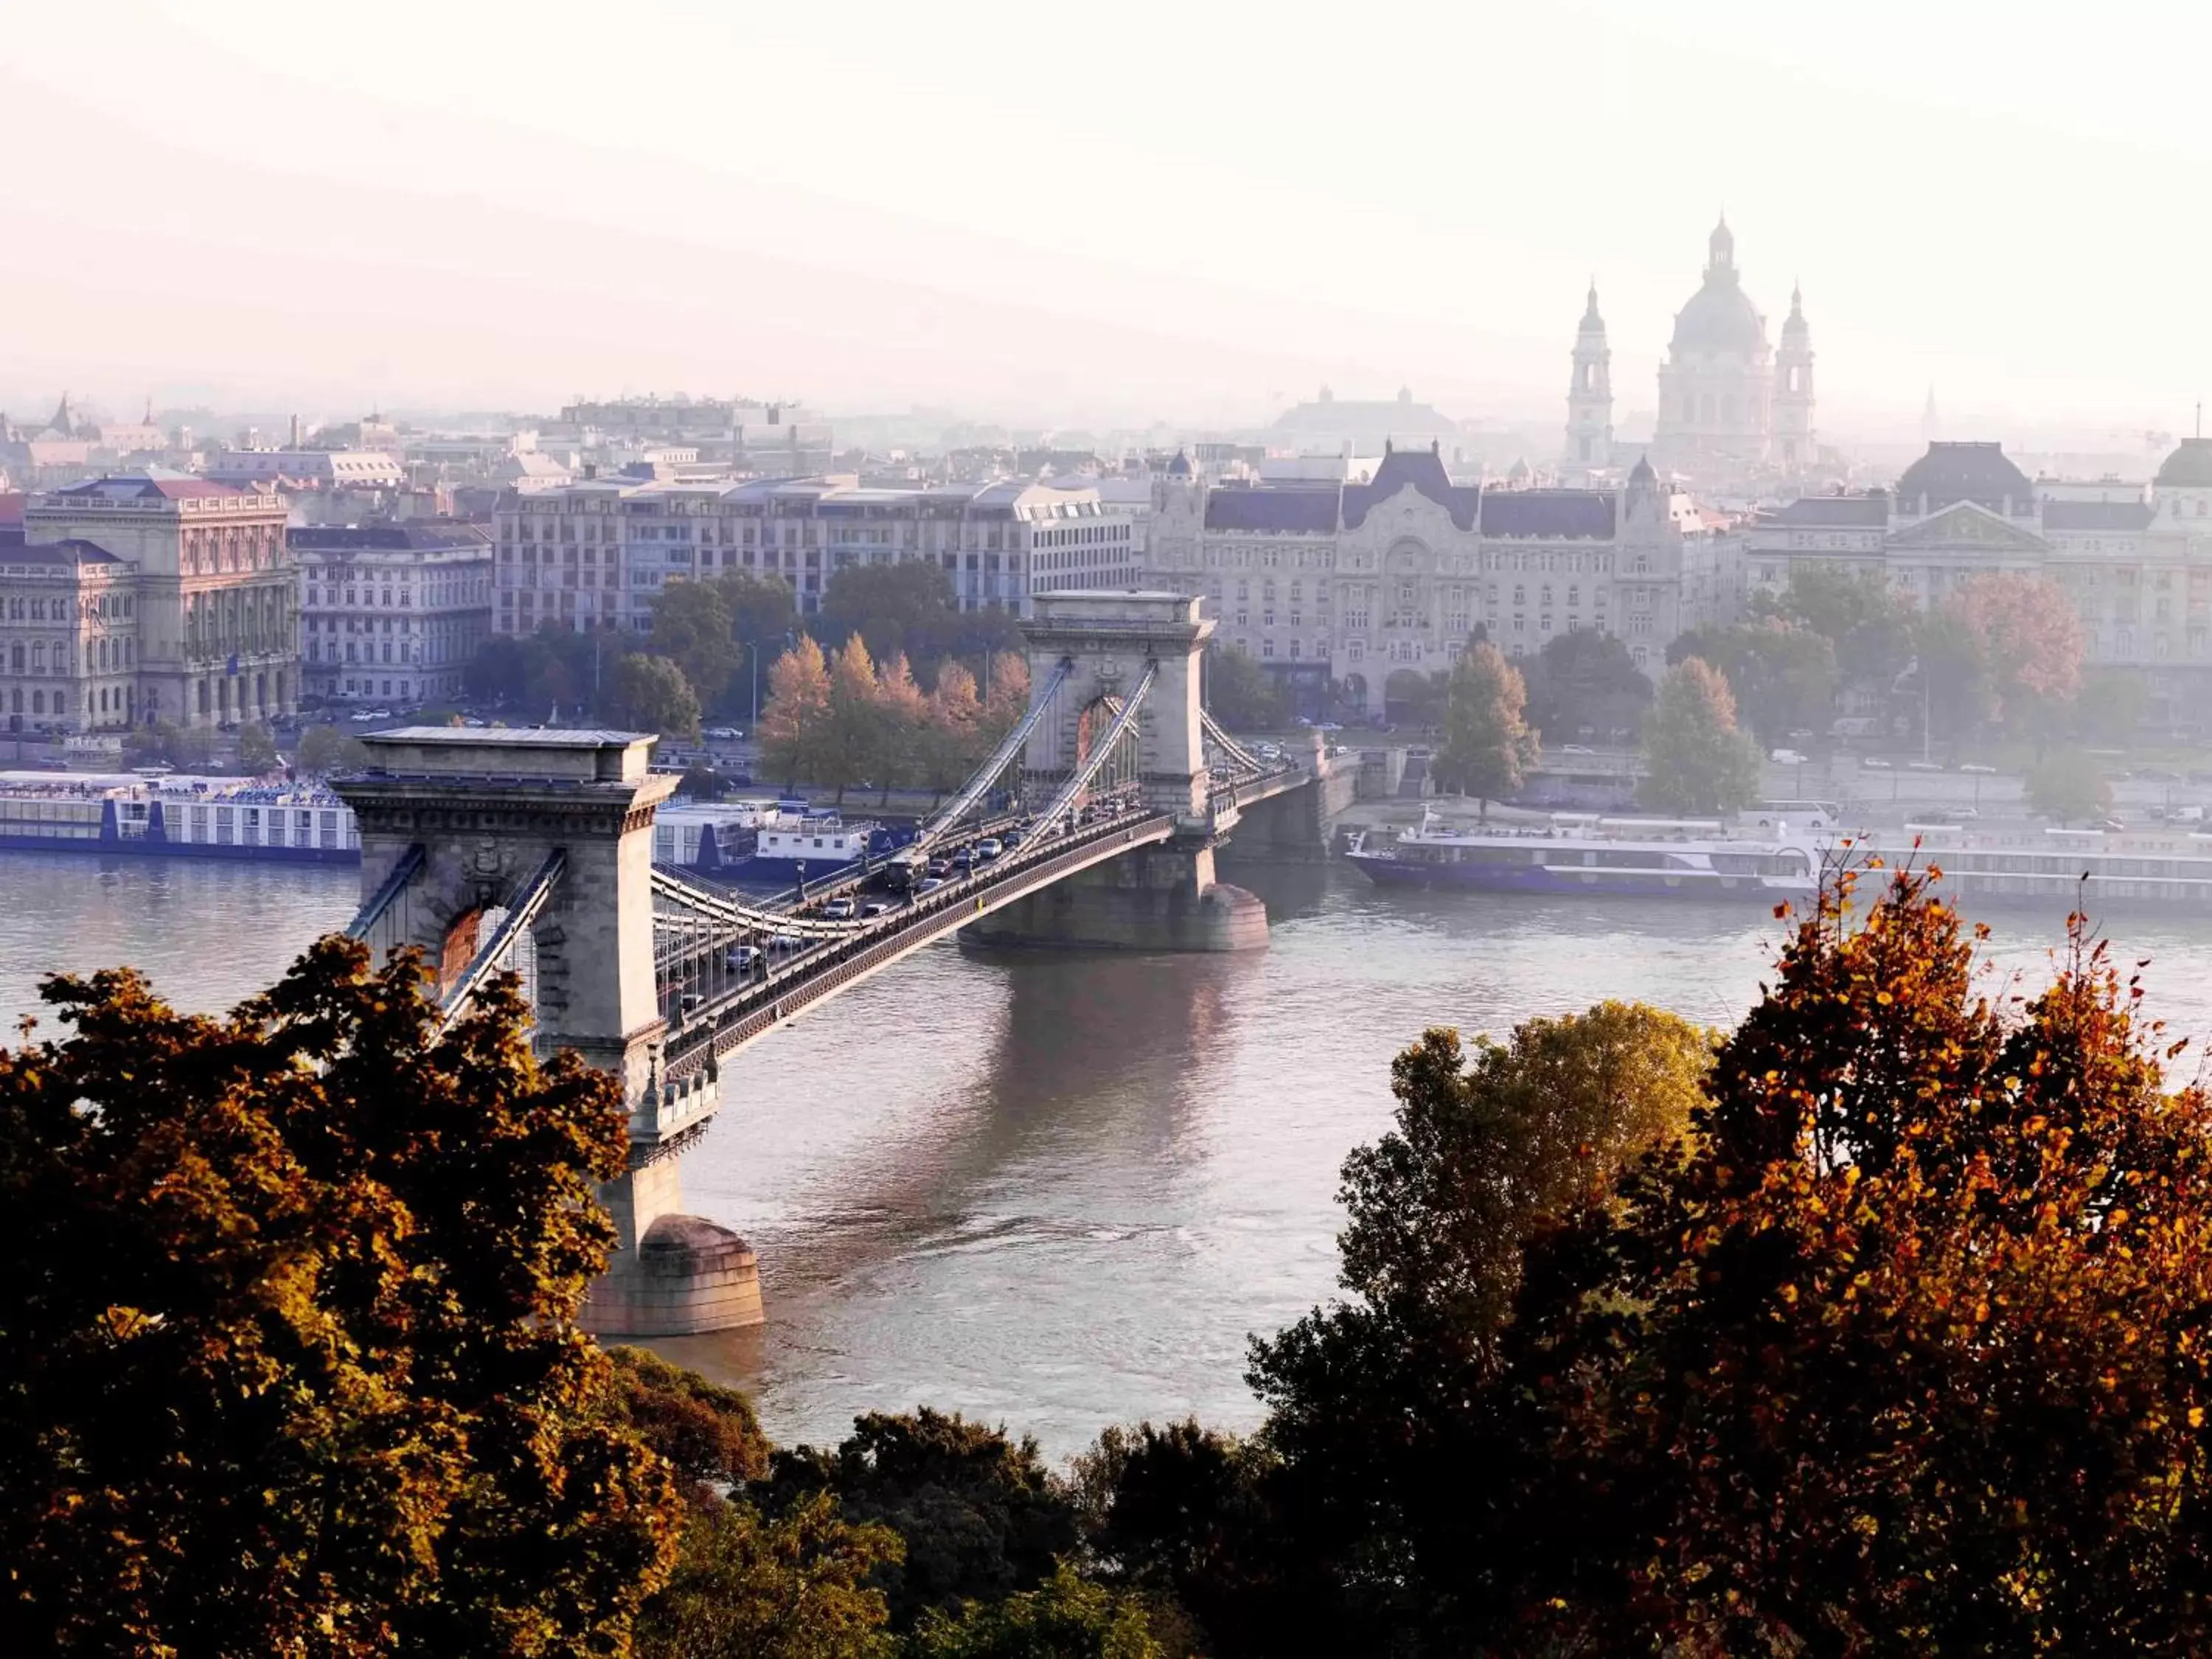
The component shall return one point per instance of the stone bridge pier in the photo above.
(1164, 898)
(462, 820)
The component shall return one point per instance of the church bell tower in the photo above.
(1794, 434)
(1589, 396)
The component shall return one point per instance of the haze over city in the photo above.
(990, 831)
(1059, 215)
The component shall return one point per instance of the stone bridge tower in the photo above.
(1110, 639)
(1163, 897)
(457, 825)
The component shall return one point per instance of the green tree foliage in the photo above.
(1952, 684)
(2067, 784)
(1783, 676)
(763, 613)
(1698, 761)
(909, 607)
(709, 1434)
(1383, 1439)
(796, 1585)
(1065, 1618)
(2110, 707)
(1184, 1517)
(651, 694)
(289, 1340)
(325, 749)
(981, 1515)
(694, 625)
(1415, 699)
(556, 667)
(1242, 694)
(1868, 627)
(1585, 684)
(1487, 747)
(257, 750)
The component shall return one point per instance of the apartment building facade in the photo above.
(393, 612)
(595, 554)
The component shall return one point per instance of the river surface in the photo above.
(1057, 1191)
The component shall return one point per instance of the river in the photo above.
(1059, 1191)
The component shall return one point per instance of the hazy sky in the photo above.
(1032, 212)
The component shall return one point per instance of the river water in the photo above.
(1057, 1191)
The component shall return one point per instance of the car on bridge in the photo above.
(738, 958)
(989, 848)
(838, 909)
(930, 883)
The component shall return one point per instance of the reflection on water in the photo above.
(1057, 1190)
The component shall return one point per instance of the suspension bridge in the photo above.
(1092, 824)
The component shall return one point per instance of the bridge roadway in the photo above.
(725, 1020)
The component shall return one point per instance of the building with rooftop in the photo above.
(1353, 582)
(391, 613)
(326, 469)
(2137, 563)
(595, 553)
(147, 596)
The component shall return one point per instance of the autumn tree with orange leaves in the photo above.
(289, 1353)
(1903, 1344)
(2027, 636)
(1908, 1348)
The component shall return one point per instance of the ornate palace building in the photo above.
(147, 596)
(1353, 582)
(2137, 562)
(1731, 408)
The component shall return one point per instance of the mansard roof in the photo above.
(1280, 507)
(1834, 512)
(1420, 469)
(1584, 515)
(2097, 515)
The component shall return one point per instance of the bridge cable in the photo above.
(979, 784)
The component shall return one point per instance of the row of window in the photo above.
(59, 610)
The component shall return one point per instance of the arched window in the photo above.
(39, 703)
(1728, 411)
(15, 658)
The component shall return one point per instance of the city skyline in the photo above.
(1031, 219)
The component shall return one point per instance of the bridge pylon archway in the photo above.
(1096, 649)
(555, 829)
(1108, 641)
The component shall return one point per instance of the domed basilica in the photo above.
(1731, 407)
